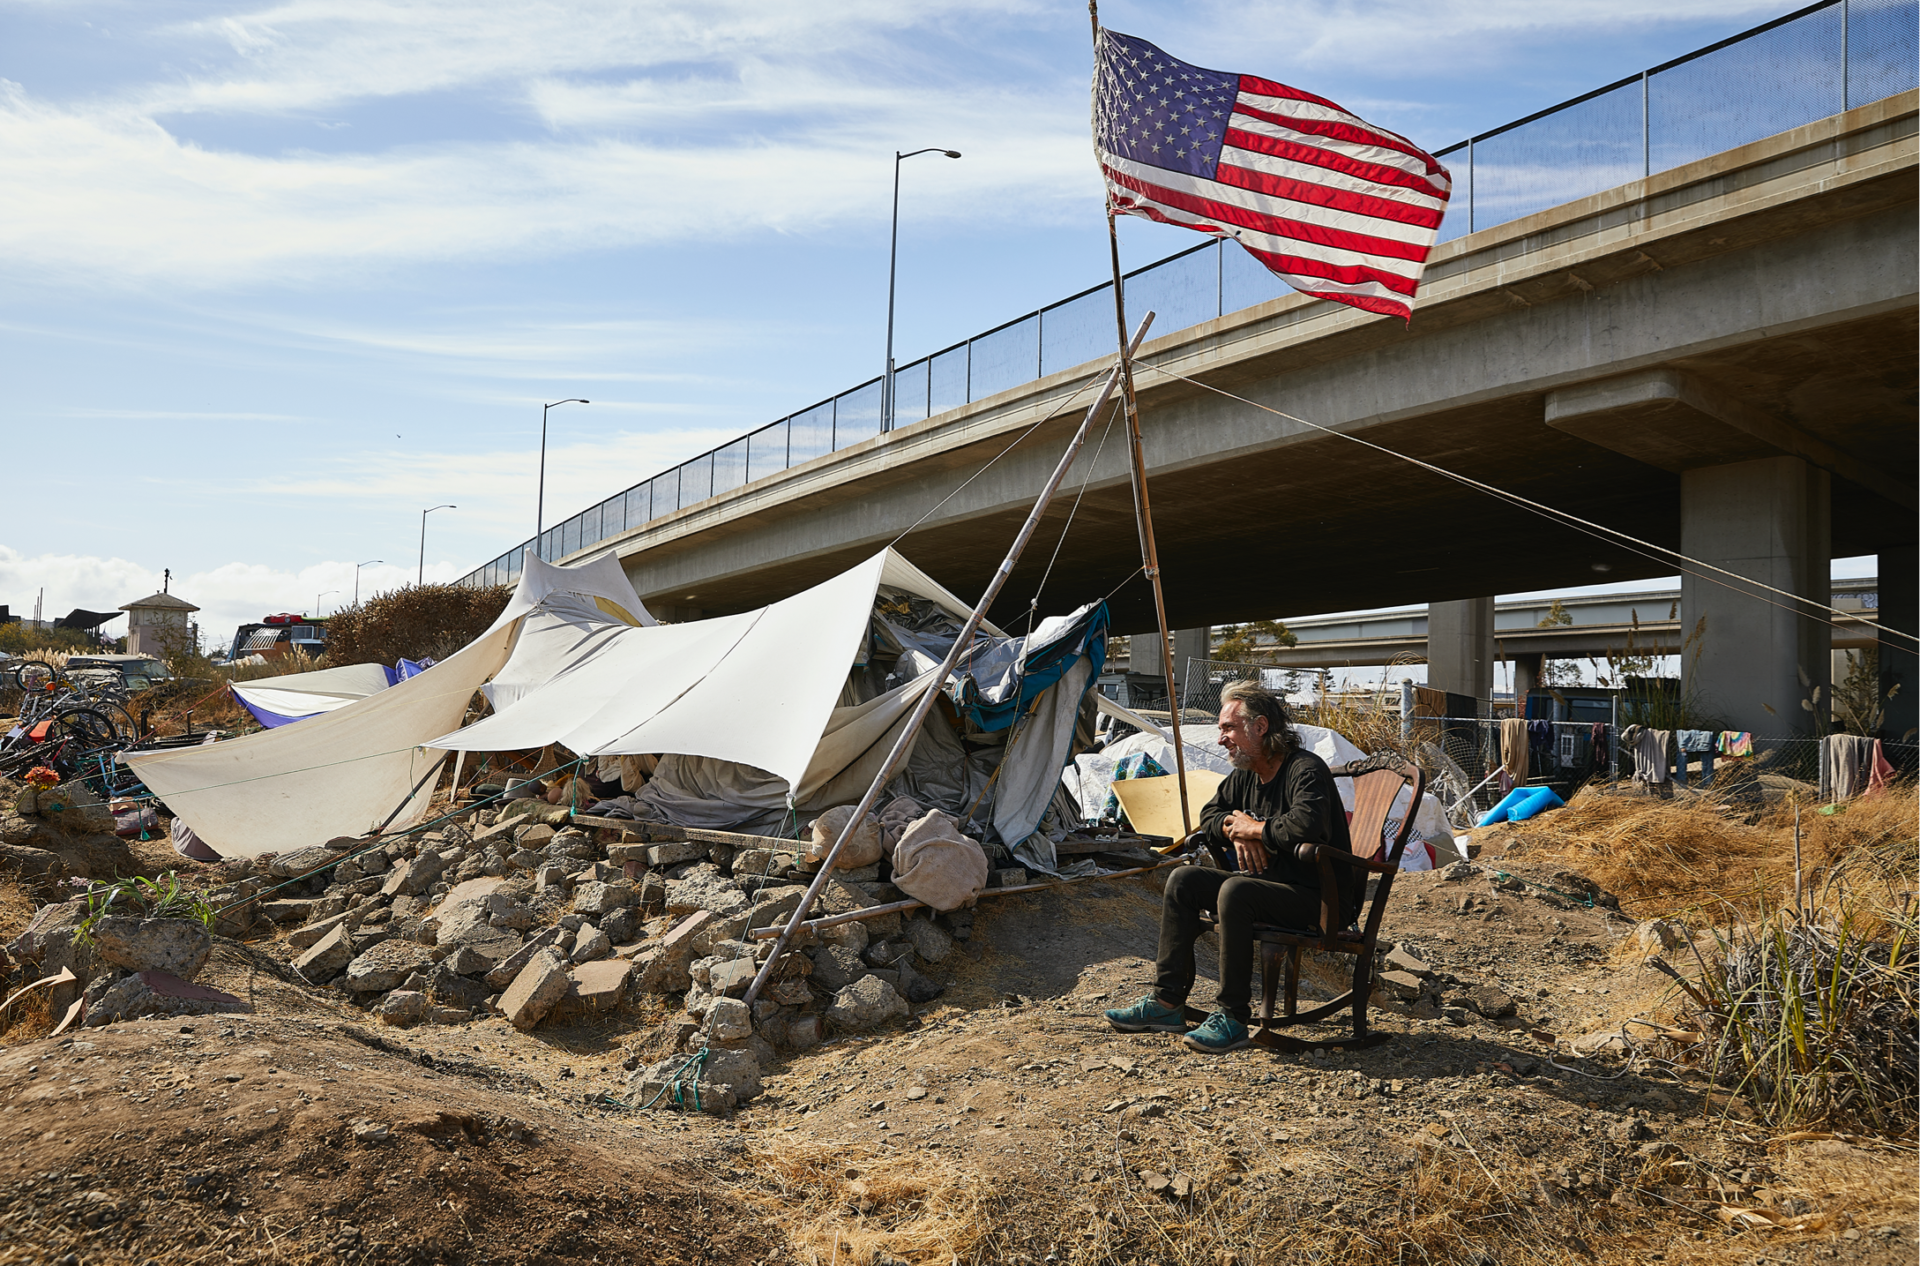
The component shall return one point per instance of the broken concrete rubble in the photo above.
(176, 946)
(717, 1082)
(534, 992)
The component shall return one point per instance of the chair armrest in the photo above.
(1311, 853)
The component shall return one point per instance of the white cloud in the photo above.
(496, 489)
(668, 121)
(118, 195)
(228, 595)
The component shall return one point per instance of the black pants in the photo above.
(1238, 902)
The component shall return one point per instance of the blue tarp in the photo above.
(993, 688)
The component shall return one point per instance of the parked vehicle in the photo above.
(138, 672)
(276, 634)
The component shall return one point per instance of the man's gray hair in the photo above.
(1279, 739)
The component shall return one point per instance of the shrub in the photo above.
(413, 623)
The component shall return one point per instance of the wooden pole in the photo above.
(961, 645)
(1142, 505)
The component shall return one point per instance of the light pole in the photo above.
(316, 601)
(422, 578)
(893, 258)
(356, 577)
(540, 504)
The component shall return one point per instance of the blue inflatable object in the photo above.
(1520, 804)
(1535, 804)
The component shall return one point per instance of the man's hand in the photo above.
(1248, 835)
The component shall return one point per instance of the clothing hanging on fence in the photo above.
(1736, 743)
(1598, 737)
(1540, 743)
(1695, 740)
(1879, 770)
(1845, 762)
(1513, 749)
(1651, 759)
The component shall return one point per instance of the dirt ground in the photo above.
(1004, 1122)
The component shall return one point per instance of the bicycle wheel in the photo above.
(123, 723)
(35, 677)
(87, 728)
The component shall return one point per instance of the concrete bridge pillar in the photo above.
(1769, 519)
(1526, 677)
(1187, 644)
(1460, 650)
(1900, 609)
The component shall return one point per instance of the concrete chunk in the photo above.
(503, 975)
(602, 898)
(386, 966)
(732, 977)
(663, 969)
(540, 985)
(600, 986)
(865, 1003)
(668, 854)
(306, 937)
(327, 957)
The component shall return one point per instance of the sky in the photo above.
(277, 277)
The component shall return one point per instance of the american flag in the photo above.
(1335, 207)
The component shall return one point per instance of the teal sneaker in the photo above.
(1218, 1034)
(1147, 1016)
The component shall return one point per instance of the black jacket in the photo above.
(1301, 806)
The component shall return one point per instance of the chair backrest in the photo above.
(1376, 785)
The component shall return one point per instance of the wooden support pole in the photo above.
(1142, 504)
(961, 646)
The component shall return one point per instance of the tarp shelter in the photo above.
(343, 772)
(276, 701)
(763, 717)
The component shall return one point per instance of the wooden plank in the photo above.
(661, 833)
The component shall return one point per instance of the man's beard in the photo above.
(1241, 758)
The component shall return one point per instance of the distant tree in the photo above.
(1557, 615)
(1252, 642)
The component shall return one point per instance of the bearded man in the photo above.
(1279, 796)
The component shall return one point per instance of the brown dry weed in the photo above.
(1709, 862)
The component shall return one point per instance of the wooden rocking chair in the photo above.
(1376, 785)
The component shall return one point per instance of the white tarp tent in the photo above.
(343, 772)
(746, 704)
(300, 695)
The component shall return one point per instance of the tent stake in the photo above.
(961, 645)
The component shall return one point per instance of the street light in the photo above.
(356, 577)
(893, 257)
(316, 601)
(540, 505)
(422, 578)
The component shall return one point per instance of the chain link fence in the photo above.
(1805, 66)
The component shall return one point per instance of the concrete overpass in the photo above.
(1718, 358)
(1651, 622)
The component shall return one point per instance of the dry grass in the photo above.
(1702, 860)
(31, 1017)
(1443, 1199)
(857, 1206)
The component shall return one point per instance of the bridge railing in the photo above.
(1810, 64)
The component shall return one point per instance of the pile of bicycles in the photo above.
(76, 726)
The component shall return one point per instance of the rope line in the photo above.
(1033, 604)
(1064, 402)
(1599, 531)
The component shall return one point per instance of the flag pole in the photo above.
(1137, 469)
(962, 644)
